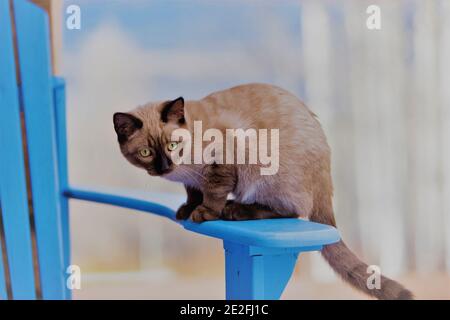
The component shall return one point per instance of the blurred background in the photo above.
(382, 97)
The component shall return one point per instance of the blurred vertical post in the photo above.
(425, 131)
(53, 8)
(444, 70)
(342, 125)
(317, 63)
(363, 102)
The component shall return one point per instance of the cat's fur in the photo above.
(301, 188)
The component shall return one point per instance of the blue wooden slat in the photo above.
(120, 201)
(59, 96)
(3, 292)
(12, 171)
(37, 96)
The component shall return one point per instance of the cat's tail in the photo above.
(352, 270)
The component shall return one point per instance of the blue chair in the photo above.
(260, 256)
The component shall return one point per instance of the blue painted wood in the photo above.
(12, 170)
(3, 292)
(37, 88)
(256, 273)
(59, 98)
(120, 201)
(274, 233)
(260, 255)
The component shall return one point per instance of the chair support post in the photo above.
(256, 273)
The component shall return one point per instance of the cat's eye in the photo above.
(145, 152)
(171, 146)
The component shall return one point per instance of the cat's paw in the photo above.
(202, 213)
(184, 212)
(233, 211)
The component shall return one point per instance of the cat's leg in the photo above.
(240, 211)
(194, 199)
(219, 181)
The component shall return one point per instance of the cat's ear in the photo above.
(125, 125)
(173, 111)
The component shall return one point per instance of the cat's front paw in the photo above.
(233, 211)
(184, 212)
(202, 213)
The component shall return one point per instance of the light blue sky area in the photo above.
(173, 24)
(192, 47)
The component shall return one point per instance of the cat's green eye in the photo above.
(145, 152)
(171, 146)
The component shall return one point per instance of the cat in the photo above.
(302, 187)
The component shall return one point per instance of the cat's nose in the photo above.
(166, 164)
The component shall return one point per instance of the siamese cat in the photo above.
(301, 187)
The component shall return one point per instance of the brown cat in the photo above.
(301, 187)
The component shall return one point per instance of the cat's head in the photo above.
(144, 135)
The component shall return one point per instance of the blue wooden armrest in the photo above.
(274, 233)
(260, 255)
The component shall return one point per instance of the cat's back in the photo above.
(249, 97)
(249, 90)
(257, 105)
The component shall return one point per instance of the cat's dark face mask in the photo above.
(161, 164)
(148, 146)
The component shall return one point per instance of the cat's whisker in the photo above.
(195, 172)
(186, 171)
(189, 173)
